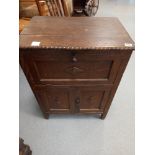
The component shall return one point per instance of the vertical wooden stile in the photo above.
(50, 8)
(54, 8)
(61, 7)
(58, 9)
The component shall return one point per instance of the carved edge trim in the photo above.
(78, 48)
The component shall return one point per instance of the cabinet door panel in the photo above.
(90, 99)
(68, 99)
(55, 99)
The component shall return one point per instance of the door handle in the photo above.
(77, 104)
(74, 59)
(77, 100)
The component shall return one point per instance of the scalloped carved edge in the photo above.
(78, 48)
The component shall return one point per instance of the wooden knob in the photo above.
(74, 59)
(77, 100)
(77, 104)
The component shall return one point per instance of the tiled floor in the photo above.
(85, 135)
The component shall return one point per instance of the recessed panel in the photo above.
(58, 99)
(53, 70)
(91, 99)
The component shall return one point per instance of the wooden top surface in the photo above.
(76, 33)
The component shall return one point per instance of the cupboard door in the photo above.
(90, 99)
(67, 99)
(55, 99)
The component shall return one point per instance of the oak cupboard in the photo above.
(74, 64)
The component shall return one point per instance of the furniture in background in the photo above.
(85, 7)
(24, 149)
(74, 65)
(67, 7)
(58, 8)
(27, 9)
(30, 8)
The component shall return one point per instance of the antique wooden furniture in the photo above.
(88, 7)
(67, 7)
(58, 8)
(24, 149)
(28, 8)
(74, 64)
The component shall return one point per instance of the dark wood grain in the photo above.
(82, 77)
(23, 148)
(75, 33)
(58, 67)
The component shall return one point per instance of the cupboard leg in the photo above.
(102, 116)
(46, 115)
